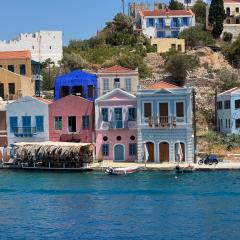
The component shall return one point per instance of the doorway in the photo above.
(150, 148)
(164, 152)
(119, 153)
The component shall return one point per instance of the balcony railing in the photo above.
(118, 124)
(162, 122)
(25, 131)
(70, 138)
(116, 85)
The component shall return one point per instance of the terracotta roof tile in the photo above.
(161, 85)
(114, 69)
(15, 55)
(165, 12)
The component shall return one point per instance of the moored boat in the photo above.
(185, 169)
(121, 171)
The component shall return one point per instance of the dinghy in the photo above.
(187, 169)
(121, 171)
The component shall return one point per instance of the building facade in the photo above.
(228, 111)
(27, 120)
(164, 44)
(164, 23)
(117, 77)
(77, 83)
(116, 126)
(165, 123)
(42, 44)
(71, 120)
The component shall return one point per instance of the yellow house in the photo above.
(15, 75)
(165, 44)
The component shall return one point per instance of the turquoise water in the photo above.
(156, 205)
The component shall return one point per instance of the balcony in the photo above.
(162, 122)
(118, 125)
(25, 131)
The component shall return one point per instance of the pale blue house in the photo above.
(165, 123)
(228, 111)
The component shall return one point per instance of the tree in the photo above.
(216, 17)
(199, 8)
(178, 64)
(175, 5)
(196, 36)
(227, 36)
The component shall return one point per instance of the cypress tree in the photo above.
(216, 17)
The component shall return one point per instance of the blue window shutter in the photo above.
(13, 124)
(39, 123)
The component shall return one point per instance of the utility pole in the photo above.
(194, 125)
(123, 6)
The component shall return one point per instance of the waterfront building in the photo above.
(116, 126)
(163, 45)
(27, 120)
(3, 124)
(117, 77)
(164, 23)
(79, 83)
(228, 111)
(42, 44)
(71, 120)
(164, 121)
(27, 77)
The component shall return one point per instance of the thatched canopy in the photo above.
(57, 152)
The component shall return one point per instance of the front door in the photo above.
(118, 123)
(2, 90)
(150, 148)
(164, 152)
(119, 153)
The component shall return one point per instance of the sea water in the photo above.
(149, 205)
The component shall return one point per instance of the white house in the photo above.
(28, 120)
(42, 44)
(164, 23)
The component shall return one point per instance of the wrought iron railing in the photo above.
(162, 122)
(25, 131)
(118, 124)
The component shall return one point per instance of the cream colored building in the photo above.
(165, 44)
(117, 77)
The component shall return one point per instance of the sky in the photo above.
(78, 19)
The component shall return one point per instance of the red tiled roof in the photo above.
(115, 69)
(161, 85)
(43, 100)
(232, 1)
(15, 55)
(165, 12)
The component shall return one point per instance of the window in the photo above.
(72, 124)
(105, 150)
(116, 82)
(147, 110)
(228, 11)
(161, 34)
(238, 123)
(132, 149)
(58, 123)
(39, 124)
(132, 114)
(179, 109)
(179, 47)
(50, 47)
(78, 90)
(228, 21)
(11, 68)
(11, 88)
(185, 21)
(237, 10)
(226, 123)
(106, 85)
(237, 103)
(128, 85)
(104, 114)
(219, 105)
(237, 21)
(22, 69)
(26, 124)
(229, 123)
(227, 104)
(85, 122)
(0, 66)
(90, 91)
(13, 124)
(150, 22)
(173, 46)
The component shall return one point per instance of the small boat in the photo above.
(121, 171)
(188, 169)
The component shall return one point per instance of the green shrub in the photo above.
(227, 37)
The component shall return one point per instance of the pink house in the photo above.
(116, 127)
(71, 120)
